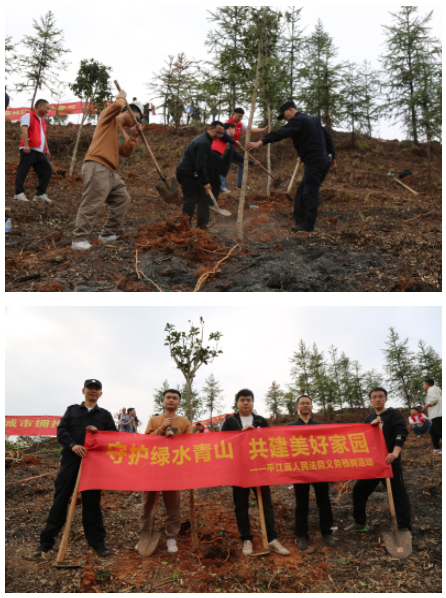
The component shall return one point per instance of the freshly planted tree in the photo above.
(212, 396)
(370, 96)
(44, 63)
(92, 85)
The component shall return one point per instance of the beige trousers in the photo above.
(171, 500)
(101, 185)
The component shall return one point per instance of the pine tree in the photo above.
(400, 368)
(370, 95)
(321, 77)
(372, 379)
(408, 46)
(291, 50)
(429, 364)
(359, 386)
(10, 56)
(92, 86)
(274, 399)
(300, 372)
(43, 65)
(290, 402)
(158, 406)
(197, 407)
(353, 109)
(212, 396)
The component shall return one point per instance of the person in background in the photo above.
(166, 425)
(77, 420)
(6, 100)
(302, 491)
(129, 421)
(189, 110)
(418, 421)
(121, 415)
(433, 408)
(201, 429)
(34, 153)
(147, 109)
(245, 420)
(395, 433)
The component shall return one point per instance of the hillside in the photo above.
(371, 235)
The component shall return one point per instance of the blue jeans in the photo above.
(421, 429)
(223, 182)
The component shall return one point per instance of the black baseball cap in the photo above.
(92, 381)
(284, 107)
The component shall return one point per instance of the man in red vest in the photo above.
(34, 153)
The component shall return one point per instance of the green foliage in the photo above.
(92, 85)
(291, 50)
(10, 56)
(274, 399)
(212, 393)
(102, 575)
(364, 146)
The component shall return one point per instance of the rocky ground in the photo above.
(358, 563)
(372, 234)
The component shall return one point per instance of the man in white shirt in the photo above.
(433, 408)
(34, 153)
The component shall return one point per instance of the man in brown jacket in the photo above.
(167, 425)
(101, 182)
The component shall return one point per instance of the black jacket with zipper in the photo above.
(233, 423)
(394, 428)
(300, 422)
(193, 163)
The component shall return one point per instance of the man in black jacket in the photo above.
(78, 419)
(244, 420)
(314, 144)
(194, 176)
(395, 433)
(302, 491)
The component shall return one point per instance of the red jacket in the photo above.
(34, 136)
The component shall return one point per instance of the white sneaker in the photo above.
(172, 545)
(109, 239)
(437, 451)
(81, 245)
(136, 547)
(225, 191)
(21, 197)
(247, 548)
(43, 197)
(276, 546)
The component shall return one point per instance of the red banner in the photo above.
(63, 109)
(215, 420)
(280, 455)
(32, 425)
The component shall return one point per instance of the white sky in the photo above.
(50, 351)
(135, 39)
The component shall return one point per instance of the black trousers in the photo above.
(306, 201)
(364, 488)
(302, 494)
(42, 167)
(194, 195)
(91, 507)
(241, 503)
(435, 432)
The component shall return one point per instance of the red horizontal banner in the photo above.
(62, 109)
(32, 425)
(279, 455)
(215, 420)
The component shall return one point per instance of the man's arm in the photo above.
(63, 433)
(329, 143)
(126, 149)
(228, 139)
(114, 110)
(290, 129)
(152, 428)
(26, 148)
(203, 152)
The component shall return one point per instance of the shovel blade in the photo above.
(148, 542)
(174, 187)
(165, 193)
(277, 183)
(401, 549)
(221, 211)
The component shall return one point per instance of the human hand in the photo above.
(248, 427)
(167, 423)
(26, 149)
(391, 457)
(299, 161)
(169, 433)
(333, 165)
(375, 422)
(92, 429)
(79, 450)
(266, 129)
(208, 187)
(122, 94)
(48, 154)
(137, 128)
(256, 163)
(251, 145)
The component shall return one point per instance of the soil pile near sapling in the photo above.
(359, 563)
(371, 235)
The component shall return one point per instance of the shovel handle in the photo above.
(391, 501)
(262, 167)
(401, 183)
(66, 533)
(262, 519)
(214, 201)
(293, 177)
(163, 178)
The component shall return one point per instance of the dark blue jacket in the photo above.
(71, 428)
(193, 163)
(6, 101)
(312, 141)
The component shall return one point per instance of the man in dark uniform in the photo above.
(314, 144)
(198, 172)
(395, 433)
(78, 419)
(302, 491)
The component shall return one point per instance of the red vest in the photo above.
(219, 146)
(238, 128)
(34, 136)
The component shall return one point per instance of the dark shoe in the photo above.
(301, 229)
(302, 543)
(40, 551)
(102, 551)
(329, 540)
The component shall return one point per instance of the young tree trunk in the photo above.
(268, 155)
(78, 138)
(241, 205)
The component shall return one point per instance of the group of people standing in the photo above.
(89, 417)
(128, 422)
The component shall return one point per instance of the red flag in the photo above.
(32, 425)
(265, 456)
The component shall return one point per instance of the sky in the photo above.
(135, 43)
(50, 351)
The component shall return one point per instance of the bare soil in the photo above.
(358, 563)
(371, 235)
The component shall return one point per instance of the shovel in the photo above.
(262, 525)
(411, 190)
(277, 182)
(215, 206)
(399, 542)
(148, 541)
(168, 189)
(290, 186)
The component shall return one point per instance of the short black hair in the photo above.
(199, 424)
(134, 109)
(430, 381)
(130, 409)
(417, 408)
(40, 102)
(229, 126)
(245, 392)
(378, 388)
(306, 396)
(175, 390)
(215, 124)
(239, 111)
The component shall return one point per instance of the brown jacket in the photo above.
(105, 147)
(182, 425)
